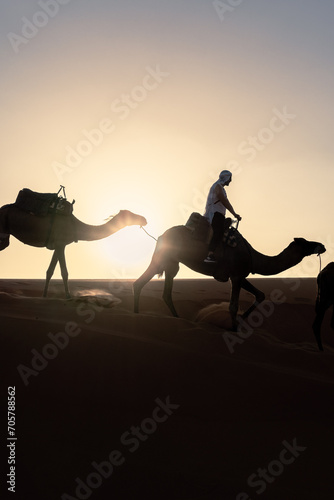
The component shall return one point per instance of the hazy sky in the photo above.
(140, 105)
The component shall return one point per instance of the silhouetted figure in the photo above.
(215, 210)
(325, 299)
(55, 231)
(178, 244)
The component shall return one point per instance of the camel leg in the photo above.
(141, 282)
(332, 319)
(259, 296)
(320, 313)
(234, 301)
(170, 273)
(63, 270)
(50, 271)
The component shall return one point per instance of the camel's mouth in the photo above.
(320, 249)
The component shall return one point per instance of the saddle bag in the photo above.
(43, 203)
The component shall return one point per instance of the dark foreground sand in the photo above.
(113, 405)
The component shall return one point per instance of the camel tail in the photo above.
(162, 261)
(158, 261)
(156, 267)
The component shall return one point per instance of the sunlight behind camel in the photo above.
(178, 245)
(56, 232)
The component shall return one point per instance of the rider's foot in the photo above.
(210, 258)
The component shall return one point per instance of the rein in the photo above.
(318, 294)
(148, 234)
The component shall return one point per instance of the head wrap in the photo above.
(225, 176)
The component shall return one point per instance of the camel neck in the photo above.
(271, 265)
(87, 232)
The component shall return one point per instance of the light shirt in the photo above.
(213, 203)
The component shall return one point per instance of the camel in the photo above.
(55, 232)
(325, 299)
(235, 263)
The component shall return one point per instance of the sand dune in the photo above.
(193, 409)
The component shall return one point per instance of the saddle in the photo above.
(200, 227)
(43, 204)
(202, 230)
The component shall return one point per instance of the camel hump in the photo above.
(200, 227)
(43, 203)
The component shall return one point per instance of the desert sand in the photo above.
(115, 405)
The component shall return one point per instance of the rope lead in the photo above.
(148, 234)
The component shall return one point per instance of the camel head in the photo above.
(130, 219)
(309, 247)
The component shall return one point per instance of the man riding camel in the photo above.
(216, 206)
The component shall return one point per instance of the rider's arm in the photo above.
(224, 200)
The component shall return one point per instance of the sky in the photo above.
(140, 105)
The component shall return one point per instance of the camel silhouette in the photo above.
(55, 232)
(325, 299)
(235, 262)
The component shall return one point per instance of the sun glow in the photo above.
(115, 144)
(128, 247)
(128, 252)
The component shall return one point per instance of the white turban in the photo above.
(225, 176)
